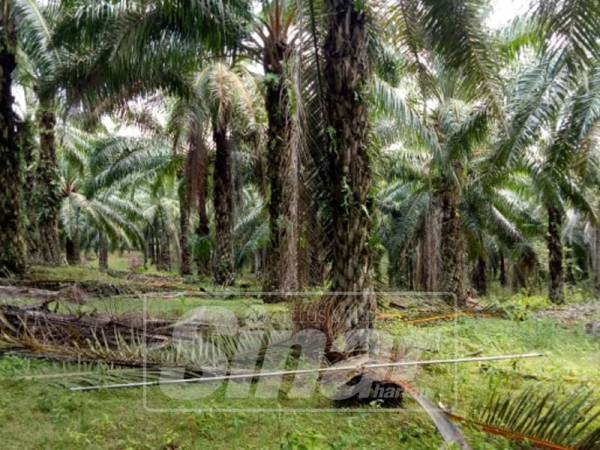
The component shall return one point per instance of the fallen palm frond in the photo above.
(70, 330)
(436, 318)
(541, 419)
(433, 308)
(90, 287)
(97, 288)
(12, 292)
(199, 357)
(198, 347)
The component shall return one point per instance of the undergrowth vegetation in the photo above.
(211, 188)
(35, 390)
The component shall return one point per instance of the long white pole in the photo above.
(307, 371)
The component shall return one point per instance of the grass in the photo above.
(142, 279)
(173, 308)
(119, 420)
(39, 413)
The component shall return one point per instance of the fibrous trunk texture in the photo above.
(147, 246)
(102, 252)
(282, 166)
(479, 276)
(12, 246)
(520, 276)
(314, 251)
(164, 245)
(555, 255)
(303, 233)
(428, 251)
(185, 260)
(28, 146)
(48, 185)
(346, 72)
(503, 279)
(453, 264)
(197, 183)
(597, 265)
(73, 248)
(569, 258)
(223, 202)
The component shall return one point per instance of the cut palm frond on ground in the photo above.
(198, 347)
(541, 419)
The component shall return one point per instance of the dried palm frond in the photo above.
(129, 342)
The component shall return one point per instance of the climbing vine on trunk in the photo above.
(12, 247)
(346, 72)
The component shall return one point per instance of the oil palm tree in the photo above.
(40, 62)
(94, 208)
(144, 46)
(12, 254)
(100, 175)
(276, 47)
(160, 209)
(551, 113)
(346, 72)
(229, 106)
(452, 132)
(118, 50)
(188, 125)
(553, 164)
(452, 31)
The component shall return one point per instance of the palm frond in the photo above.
(543, 419)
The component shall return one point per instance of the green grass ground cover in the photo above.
(36, 413)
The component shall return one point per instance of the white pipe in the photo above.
(306, 371)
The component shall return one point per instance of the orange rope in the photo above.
(454, 315)
(490, 429)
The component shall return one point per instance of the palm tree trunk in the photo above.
(453, 264)
(282, 166)
(410, 273)
(315, 253)
(185, 266)
(49, 196)
(147, 245)
(555, 255)
(570, 269)
(185, 263)
(154, 247)
(346, 73)
(12, 247)
(520, 277)
(163, 262)
(598, 260)
(164, 255)
(198, 190)
(428, 260)
(73, 246)
(304, 249)
(28, 146)
(479, 276)
(503, 279)
(203, 255)
(223, 202)
(102, 252)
